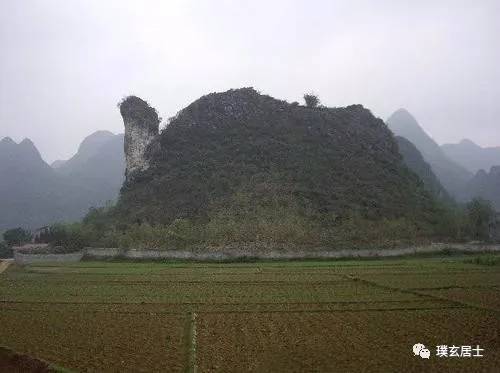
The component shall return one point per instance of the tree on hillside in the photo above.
(16, 236)
(480, 214)
(311, 100)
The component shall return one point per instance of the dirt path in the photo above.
(4, 264)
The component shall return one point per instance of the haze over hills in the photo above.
(455, 165)
(485, 185)
(452, 175)
(239, 142)
(88, 148)
(33, 194)
(416, 162)
(98, 165)
(57, 163)
(472, 156)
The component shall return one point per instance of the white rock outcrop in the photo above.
(141, 127)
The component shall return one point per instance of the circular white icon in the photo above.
(420, 350)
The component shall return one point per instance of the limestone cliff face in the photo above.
(141, 127)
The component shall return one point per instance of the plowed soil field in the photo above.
(343, 316)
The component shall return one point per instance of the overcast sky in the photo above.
(64, 65)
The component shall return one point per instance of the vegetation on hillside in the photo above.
(485, 185)
(279, 223)
(240, 169)
(311, 100)
(481, 214)
(329, 161)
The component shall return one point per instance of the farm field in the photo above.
(327, 316)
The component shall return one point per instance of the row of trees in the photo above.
(13, 237)
(17, 237)
(481, 217)
(474, 222)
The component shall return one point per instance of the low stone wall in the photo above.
(31, 247)
(103, 253)
(208, 254)
(24, 259)
(239, 254)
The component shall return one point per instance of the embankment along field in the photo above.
(342, 316)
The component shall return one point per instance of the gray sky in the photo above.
(65, 64)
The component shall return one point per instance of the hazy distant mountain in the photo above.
(485, 185)
(416, 162)
(98, 165)
(473, 156)
(451, 175)
(22, 158)
(31, 194)
(89, 147)
(34, 194)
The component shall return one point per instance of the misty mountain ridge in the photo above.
(485, 185)
(99, 164)
(24, 157)
(31, 194)
(416, 162)
(473, 156)
(34, 194)
(87, 148)
(452, 175)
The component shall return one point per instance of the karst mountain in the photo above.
(239, 149)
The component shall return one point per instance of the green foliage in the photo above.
(67, 238)
(239, 168)
(99, 220)
(452, 224)
(480, 213)
(486, 260)
(17, 236)
(5, 251)
(272, 221)
(177, 235)
(329, 160)
(311, 100)
(485, 184)
(275, 221)
(138, 109)
(261, 216)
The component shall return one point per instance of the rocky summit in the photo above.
(240, 149)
